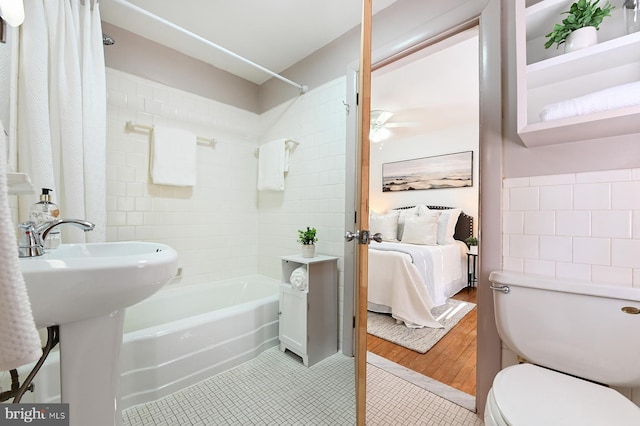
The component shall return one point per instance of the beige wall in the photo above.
(143, 57)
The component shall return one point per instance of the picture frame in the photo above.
(453, 170)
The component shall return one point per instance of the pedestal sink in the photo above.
(85, 288)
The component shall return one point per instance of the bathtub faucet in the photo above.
(31, 242)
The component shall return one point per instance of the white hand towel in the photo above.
(271, 166)
(20, 342)
(299, 278)
(174, 157)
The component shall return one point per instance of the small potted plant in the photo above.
(472, 243)
(308, 239)
(579, 28)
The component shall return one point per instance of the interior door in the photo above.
(362, 211)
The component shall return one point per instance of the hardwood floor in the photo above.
(451, 361)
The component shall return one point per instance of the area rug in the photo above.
(418, 339)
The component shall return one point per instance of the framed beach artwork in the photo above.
(441, 171)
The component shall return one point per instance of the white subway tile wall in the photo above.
(582, 226)
(212, 225)
(314, 192)
(223, 227)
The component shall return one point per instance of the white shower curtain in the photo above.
(62, 109)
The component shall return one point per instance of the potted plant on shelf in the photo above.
(579, 28)
(472, 243)
(308, 239)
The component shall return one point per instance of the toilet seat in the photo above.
(526, 394)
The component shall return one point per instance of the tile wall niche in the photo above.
(579, 226)
(314, 192)
(213, 224)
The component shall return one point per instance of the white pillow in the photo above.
(447, 225)
(385, 224)
(422, 209)
(413, 211)
(421, 230)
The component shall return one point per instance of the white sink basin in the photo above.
(85, 288)
(81, 281)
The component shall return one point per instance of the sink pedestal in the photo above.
(90, 369)
(84, 289)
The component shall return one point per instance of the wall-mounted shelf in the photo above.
(545, 76)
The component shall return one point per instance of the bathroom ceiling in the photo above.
(275, 34)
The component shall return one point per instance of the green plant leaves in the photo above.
(583, 13)
(307, 236)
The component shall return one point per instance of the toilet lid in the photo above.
(529, 395)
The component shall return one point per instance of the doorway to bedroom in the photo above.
(425, 113)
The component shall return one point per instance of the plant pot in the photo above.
(473, 249)
(581, 38)
(308, 250)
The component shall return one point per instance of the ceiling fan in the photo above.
(379, 130)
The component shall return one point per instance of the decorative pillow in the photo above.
(447, 225)
(386, 224)
(413, 211)
(422, 210)
(421, 230)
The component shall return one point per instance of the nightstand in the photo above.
(472, 260)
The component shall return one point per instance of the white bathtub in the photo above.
(183, 335)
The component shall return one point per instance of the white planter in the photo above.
(581, 38)
(473, 249)
(308, 250)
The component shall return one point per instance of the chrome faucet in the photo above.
(31, 242)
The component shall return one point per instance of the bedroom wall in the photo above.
(436, 90)
(447, 141)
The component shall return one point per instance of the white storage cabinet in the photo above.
(309, 318)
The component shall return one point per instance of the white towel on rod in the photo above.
(271, 165)
(20, 340)
(174, 157)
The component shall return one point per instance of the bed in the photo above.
(420, 263)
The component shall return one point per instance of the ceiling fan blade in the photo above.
(380, 117)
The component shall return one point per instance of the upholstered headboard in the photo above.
(464, 227)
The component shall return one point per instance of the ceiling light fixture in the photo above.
(378, 134)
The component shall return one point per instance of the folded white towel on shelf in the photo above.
(621, 96)
(19, 339)
(174, 157)
(272, 163)
(299, 278)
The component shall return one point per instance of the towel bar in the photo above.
(131, 127)
(290, 146)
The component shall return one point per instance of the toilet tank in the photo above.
(584, 329)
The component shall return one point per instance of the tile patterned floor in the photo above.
(276, 389)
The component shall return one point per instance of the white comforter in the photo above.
(408, 280)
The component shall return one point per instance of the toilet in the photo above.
(578, 339)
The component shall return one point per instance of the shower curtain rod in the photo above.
(302, 88)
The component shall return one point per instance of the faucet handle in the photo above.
(29, 243)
